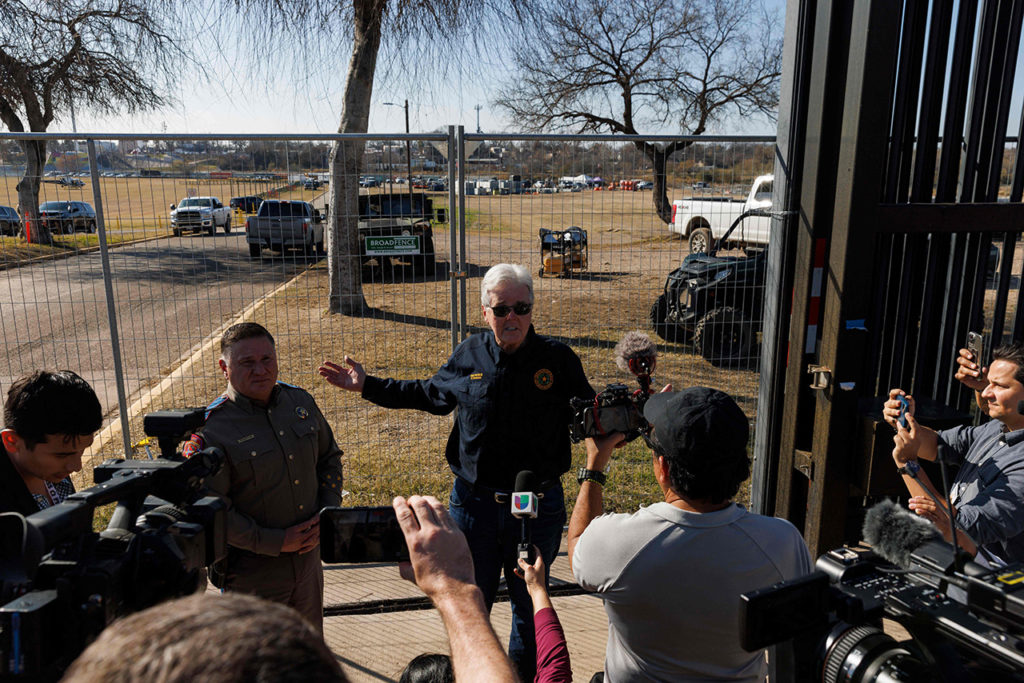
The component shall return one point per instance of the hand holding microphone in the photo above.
(524, 508)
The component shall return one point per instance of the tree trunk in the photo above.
(345, 293)
(28, 192)
(659, 157)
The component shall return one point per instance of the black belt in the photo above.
(501, 496)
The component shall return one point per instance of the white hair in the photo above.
(504, 272)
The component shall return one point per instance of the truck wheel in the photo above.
(320, 248)
(211, 230)
(700, 241)
(725, 337)
(177, 232)
(254, 250)
(665, 329)
(227, 225)
(92, 226)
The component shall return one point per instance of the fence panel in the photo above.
(172, 290)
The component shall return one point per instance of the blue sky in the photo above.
(232, 104)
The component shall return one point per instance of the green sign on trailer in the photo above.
(393, 245)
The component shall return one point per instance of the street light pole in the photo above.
(408, 148)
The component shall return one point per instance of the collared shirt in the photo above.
(282, 464)
(513, 408)
(988, 491)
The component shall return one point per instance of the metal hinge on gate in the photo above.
(821, 376)
(803, 462)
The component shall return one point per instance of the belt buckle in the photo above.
(500, 498)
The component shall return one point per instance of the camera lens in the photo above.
(866, 653)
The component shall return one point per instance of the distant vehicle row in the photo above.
(62, 218)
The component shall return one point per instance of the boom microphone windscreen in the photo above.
(636, 353)
(895, 533)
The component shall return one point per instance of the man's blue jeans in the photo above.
(493, 535)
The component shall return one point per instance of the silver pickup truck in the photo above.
(281, 225)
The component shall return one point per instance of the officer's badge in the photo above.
(193, 445)
(301, 412)
(543, 379)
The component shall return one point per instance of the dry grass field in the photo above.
(406, 334)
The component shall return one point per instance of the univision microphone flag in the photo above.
(524, 504)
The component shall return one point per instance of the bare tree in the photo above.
(594, 66)
(406, 34)
(100, 55)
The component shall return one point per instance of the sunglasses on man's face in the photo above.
(521, 308)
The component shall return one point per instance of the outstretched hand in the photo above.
(351, 378)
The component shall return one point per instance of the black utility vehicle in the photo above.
(716, 301)
(247, 204)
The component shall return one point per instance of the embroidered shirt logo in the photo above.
(477, 375)
(543, 379)
(301, 412)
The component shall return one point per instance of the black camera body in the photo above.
(616, 409)
(963, 628)
(61, 583)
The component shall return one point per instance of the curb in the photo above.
(141, 404)
(77, 252)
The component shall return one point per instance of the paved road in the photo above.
(169, 295)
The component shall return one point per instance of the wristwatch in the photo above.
(910, 468)
(583, 474)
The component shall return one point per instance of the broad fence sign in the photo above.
(393, 245)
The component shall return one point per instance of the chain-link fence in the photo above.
(151, 260)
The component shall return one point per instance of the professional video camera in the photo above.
(61, 583)
(966, 621)
(616, 409)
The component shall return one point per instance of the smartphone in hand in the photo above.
(904, 407)
(976, 345)
(361, 534)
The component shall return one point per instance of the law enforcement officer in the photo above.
(282, 466)
(512, 388)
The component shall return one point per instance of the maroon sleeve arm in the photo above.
(552, 652)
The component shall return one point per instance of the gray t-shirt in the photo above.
(671, 581)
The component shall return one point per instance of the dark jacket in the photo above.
(14, 495)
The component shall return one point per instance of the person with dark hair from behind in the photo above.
(428, 668)
(49, 420)
(987, 493)
(671, 575)
(230, 638)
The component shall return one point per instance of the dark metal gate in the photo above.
(897, 156)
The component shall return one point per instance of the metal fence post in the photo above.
(453, 271)
(108, 288)
(462, 231)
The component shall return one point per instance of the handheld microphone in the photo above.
(910, 542)
(524, 508)
(636, 353)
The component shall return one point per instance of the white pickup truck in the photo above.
(202, 214)
(704, 220)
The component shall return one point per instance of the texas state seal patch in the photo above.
(543, 379)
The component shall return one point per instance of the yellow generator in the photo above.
(563, 251)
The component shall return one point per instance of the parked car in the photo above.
(246, 204)
(200, 214)
(645, 185)
(310, 184)
(67, 217)
(10, 222)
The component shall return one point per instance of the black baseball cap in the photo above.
(696, 421)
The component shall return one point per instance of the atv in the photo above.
(716, 301)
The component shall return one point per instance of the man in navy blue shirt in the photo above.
(512, 387)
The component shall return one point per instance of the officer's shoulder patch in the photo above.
(194, 444)
(217, 403)
(477, 375)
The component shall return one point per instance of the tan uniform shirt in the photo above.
(282, 464)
